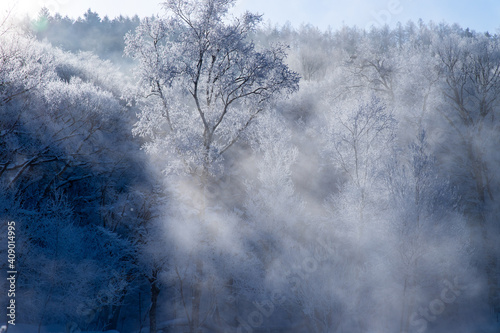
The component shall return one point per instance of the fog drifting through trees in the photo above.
(198, 172)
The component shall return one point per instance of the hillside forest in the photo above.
(196, 171)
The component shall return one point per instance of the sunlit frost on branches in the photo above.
(204, 81)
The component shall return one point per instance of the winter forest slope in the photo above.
(174, 174)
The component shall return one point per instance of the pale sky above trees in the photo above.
(480, 15)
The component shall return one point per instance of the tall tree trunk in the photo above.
(155, 291)
(198, 280)
(115, 314)
(480, 219)
(491, 267)
(197, 291)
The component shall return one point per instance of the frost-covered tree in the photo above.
(24, 66)
(429, 227)
(203, 82)
(374, 64)
(63, 132)
(203, 79)
(358, 137)
(471, 87)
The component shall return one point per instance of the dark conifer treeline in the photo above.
(101, 36)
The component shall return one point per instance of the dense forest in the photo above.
(198, 172)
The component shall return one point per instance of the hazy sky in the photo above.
(480, 15)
